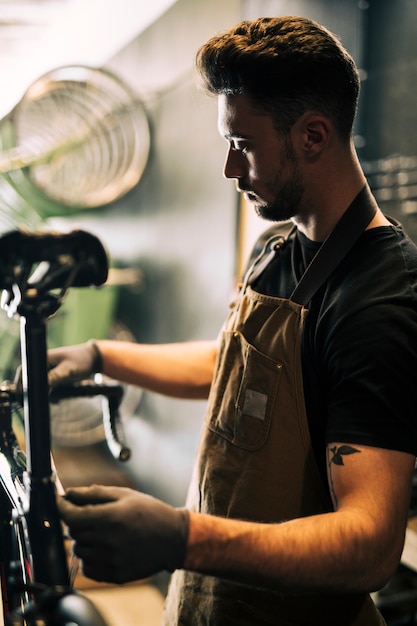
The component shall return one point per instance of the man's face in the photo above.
(262, 161)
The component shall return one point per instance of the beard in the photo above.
(287, 194)
(285, 205)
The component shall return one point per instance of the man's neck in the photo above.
(329, 192)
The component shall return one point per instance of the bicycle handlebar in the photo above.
(112, 394)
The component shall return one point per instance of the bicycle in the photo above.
(36, 272)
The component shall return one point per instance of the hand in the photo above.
(72, 363)
(122, 535)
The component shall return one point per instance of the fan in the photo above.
(79, 136)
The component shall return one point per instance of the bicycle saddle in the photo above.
(51, 260)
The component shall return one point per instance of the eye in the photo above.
(240, 146)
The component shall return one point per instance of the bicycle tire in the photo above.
(75, 608)
(58, 608)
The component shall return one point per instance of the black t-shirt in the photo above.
(359, 351)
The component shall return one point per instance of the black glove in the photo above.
(72, 363)
(122, 535)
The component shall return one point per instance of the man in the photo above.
(298, 503)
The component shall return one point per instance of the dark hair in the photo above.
(285, 66)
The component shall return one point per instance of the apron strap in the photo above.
(266, 248)
(335, 247)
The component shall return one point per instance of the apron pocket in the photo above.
(243, 394)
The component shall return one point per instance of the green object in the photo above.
(85, 314)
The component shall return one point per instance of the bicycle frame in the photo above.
(14, 544)
(34, 566)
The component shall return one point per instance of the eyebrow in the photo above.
(236, 136)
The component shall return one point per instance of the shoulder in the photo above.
(381, 267)
(374, 290)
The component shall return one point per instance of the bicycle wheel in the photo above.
(67, 609)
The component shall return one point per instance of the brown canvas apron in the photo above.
(255, 462)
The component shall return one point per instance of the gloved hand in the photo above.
(72, 363)
(122, 535)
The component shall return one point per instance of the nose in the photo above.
(234, 164)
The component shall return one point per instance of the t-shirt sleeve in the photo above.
(371, 376)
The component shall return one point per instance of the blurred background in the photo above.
(148, 182)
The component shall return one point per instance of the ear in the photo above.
(315, 131)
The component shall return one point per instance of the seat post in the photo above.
(35, 394)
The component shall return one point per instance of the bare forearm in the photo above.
(182, 370)
(329, 552)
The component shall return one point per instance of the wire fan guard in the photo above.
(81, 137)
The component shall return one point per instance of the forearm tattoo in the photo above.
(336, 455)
